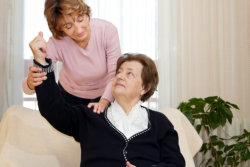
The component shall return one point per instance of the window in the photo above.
(34, 22)
(135, 21)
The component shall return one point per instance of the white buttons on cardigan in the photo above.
(137, 134)
(124, 137)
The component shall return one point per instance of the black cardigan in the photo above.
(102, 145)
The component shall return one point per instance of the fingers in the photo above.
(40, 33)
(38, 42)
(98, 107)
(38, 47)
(35, 77)
(34, 69)
(128, 164)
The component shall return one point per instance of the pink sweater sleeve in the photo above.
(26, 89)
(113, 52)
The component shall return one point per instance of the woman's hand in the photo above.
(38, 47)
(35, 78)
(128, 164)
(100, 106)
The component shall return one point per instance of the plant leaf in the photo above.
(227, 148)
(233, 105)
(221, 144)
(213, 120)
(239, 146)
(211, 99)
(230, 161)
(228, 114)
(245, 154)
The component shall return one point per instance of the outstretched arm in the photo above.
(52, 106)
(38, 47)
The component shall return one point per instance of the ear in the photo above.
(88, 18)
(144, 91)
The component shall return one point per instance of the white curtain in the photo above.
(11, 62)
(3, 11)
(134, 19)
(204, 50)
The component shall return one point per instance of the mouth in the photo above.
(119, 84)
(81, 34)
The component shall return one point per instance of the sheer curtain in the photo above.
(204, 50)
(3, 20)
(11, 12)
(135, 21)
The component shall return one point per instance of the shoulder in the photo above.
(62, 40)
(158, 118)
(57, 46)
(89, 113)
(156, 114)
(102, 25)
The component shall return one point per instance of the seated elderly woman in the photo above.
(126, 133)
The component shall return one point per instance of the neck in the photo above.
(83, 44)
(127, 104)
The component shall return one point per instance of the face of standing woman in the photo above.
(77, 28)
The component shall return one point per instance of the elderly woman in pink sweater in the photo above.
(81, 44)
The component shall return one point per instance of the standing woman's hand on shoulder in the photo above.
(100, 106)
(128, 164)
(38, 47)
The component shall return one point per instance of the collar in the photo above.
(135, 122)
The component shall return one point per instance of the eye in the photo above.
(118, 72)
(130, 74)
(68, 26)
(80, 19)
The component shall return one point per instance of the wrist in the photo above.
(104, 101)
(48, 67)
(30, 87)
(41, 61)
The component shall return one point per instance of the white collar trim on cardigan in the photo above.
(135, 122)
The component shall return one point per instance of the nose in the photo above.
(120, 76)
(77, 28)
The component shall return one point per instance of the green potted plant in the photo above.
(207, 114)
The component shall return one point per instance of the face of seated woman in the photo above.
(127, 86)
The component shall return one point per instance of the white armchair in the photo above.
(28, 140)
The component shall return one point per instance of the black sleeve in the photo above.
(170, 151)
(59, 114)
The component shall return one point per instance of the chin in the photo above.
(117, 93)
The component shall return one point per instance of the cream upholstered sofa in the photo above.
(28, 140)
